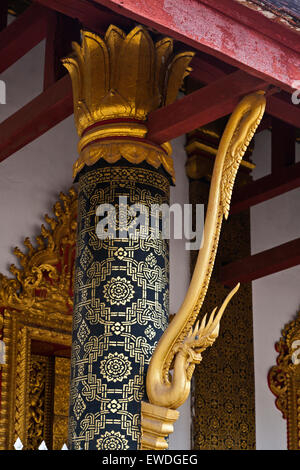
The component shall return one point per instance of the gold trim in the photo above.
(134, 152)
(61, 402)
(39, 401)
(196, 145)
(37, 304)
(112, 130)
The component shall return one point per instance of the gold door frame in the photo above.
(36, 304)
(284, 381)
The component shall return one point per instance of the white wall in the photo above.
(276, 298)
(32, 178)
(179, 282)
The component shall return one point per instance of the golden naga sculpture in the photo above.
(117, 81)
(182, 343)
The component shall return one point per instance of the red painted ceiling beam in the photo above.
(279, 105)
(211, 30)
(252, 16)
(284, 110)
(199, 108)
(262, 264)
(35, 118)
(205, 68)
(22, 35)
(266, 188)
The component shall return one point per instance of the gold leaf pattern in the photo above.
(112, 441)
(122, 76)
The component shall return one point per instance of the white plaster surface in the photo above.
(179, 282)
(276, 298)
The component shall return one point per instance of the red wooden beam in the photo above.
(22, 35)
(283, 145)
(50, 64)
(262, 264)
(252, 16)
(266, 123)
(201, 107)
(209, 29)
(62, 30)
(284, 110)
(266, 188)
(90, 15)
(207, 69)
(35, 118)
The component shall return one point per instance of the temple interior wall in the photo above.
(31, 180)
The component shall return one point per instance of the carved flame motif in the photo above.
(44, 282)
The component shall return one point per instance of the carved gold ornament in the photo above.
(183, 342)
(44, 281)
(117, 81)
(36, 306)
(284, 381)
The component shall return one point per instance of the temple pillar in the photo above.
(121, 281)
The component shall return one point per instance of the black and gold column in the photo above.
(121, 284)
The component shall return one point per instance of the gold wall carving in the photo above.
(39, 401)
(36, 308)
(61, 402)
(284, 381)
